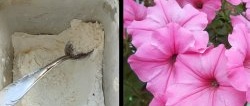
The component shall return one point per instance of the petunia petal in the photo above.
(235, 58)
(140, 36)
(234, 2)
(203, 66)
(239, 19)
(238, 38)
(148, 62)
(248, 95)
(228, 96)
(192, 19)
(189, 95)
(133, 11)
(210, 7)
(158, 85)
(248, 9)
(188, 70)
(201, 41)
(181, 39)
(170, 10)
(239, 78)
(157, 102)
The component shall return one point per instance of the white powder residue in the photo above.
(72, 83)
(82, 36)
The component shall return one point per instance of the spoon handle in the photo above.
(12, 93)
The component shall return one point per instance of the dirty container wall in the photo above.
(6, 55)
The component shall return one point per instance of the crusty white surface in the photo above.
(74, 82)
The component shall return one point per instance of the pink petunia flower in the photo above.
(239, 58)
(210, 7)
(169, 11)
(154, 60)
(201, 80)
(133, 11)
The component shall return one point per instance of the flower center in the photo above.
(199, 5)
(215, 84)
(173, 58)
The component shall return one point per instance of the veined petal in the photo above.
(194, 81)
(228, 96)
(180, 39)
(199, 66)
(148, 62)
(193, 19)
(182, 94)
(170, 10)
(209, 7)
(158, 85)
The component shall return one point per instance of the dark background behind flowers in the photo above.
(135, 92)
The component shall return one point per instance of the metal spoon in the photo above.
(13, 93)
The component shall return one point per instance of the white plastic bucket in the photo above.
(54, 16)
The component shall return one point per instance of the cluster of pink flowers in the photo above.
(174, 58)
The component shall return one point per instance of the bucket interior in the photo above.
(54, 16)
